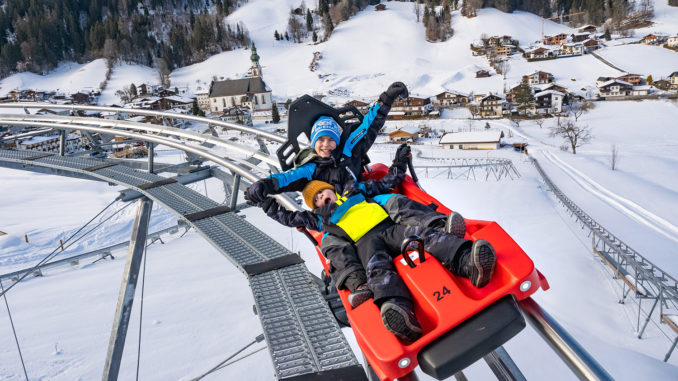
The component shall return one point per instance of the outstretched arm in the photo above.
(290, 218)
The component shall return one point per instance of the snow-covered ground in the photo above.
(197, 307)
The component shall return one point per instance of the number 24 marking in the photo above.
(440, 295)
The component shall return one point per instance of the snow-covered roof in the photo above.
(408, 129)
(615, 81)
(547, 92)
(472, 137)
(178, 98)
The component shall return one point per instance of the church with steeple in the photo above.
(250, 92)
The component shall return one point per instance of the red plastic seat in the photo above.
(442, 300)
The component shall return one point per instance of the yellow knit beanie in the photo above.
(311, 189)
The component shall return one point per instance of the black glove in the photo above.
(402, 156)
(270, 206)
(257, 192)
(397, 89)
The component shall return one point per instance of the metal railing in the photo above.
(638, 275)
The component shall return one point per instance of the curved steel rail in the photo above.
(150, 128)
(199, 119)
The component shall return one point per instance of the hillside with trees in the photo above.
(37, 35)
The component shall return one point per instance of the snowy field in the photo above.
(198, 307)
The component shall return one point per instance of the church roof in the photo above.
(242, 86)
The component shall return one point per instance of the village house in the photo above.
(579, 37)
(404, 134)
(472, 140)
(504, 50)
(538, 77)
(500, 40)
(491, 106)
(549, 102)
(360, 105)
(558, 39)
(662, 84)
(482, 74)
(145, 89)
(653, 39)
(673, 79)
(672, 41)
(588, 29)
(380, 7)
(177, 102)
(601, 80)
(634, 79)
(571, 49)
(80, 98)
(541, 53)
(447, 98)
(50, 143)
(641, 90)
(148, 103)
(590, 45)
(203, 100)
(411, 106)
(251, 91)
(240, 115)
(615, 88)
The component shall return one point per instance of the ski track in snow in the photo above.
(623, 205)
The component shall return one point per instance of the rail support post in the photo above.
(234, 192)
(123, 310)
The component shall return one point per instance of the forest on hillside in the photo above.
(36, 35)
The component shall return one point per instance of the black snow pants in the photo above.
(342, 254)
(378, 247)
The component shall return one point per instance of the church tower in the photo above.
(255, 69)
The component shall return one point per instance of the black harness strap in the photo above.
(221, 209)
(97, 167)
(157, 184)
(39, 156)
(272, 264)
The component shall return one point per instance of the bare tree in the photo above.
(163, 72)
(124, 95)
(515, 120)
(578, 108)
(504, 67)
(417, 10)
(614, 157)
(540, 122)
(573, 133)
(474, 109)
(296, 28)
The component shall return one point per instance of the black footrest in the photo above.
(472, 339)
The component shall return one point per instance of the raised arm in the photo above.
(394, 176)
(360, 140)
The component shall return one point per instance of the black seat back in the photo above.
(303, 112)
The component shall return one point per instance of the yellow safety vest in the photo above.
(357, 216)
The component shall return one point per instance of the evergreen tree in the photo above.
(287, 36)
(133, 90)
(524, 98)
(606, 35)
(275, 115)
(649, 79)
(309, 20)
(315, 36)
(276, 35)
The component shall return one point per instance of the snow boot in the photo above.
(455, 225)
(477, 264)
(398, 317)
(361, 294)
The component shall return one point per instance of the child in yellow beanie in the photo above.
(359, 217)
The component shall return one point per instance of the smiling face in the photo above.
(324, 146)
(324, 197)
